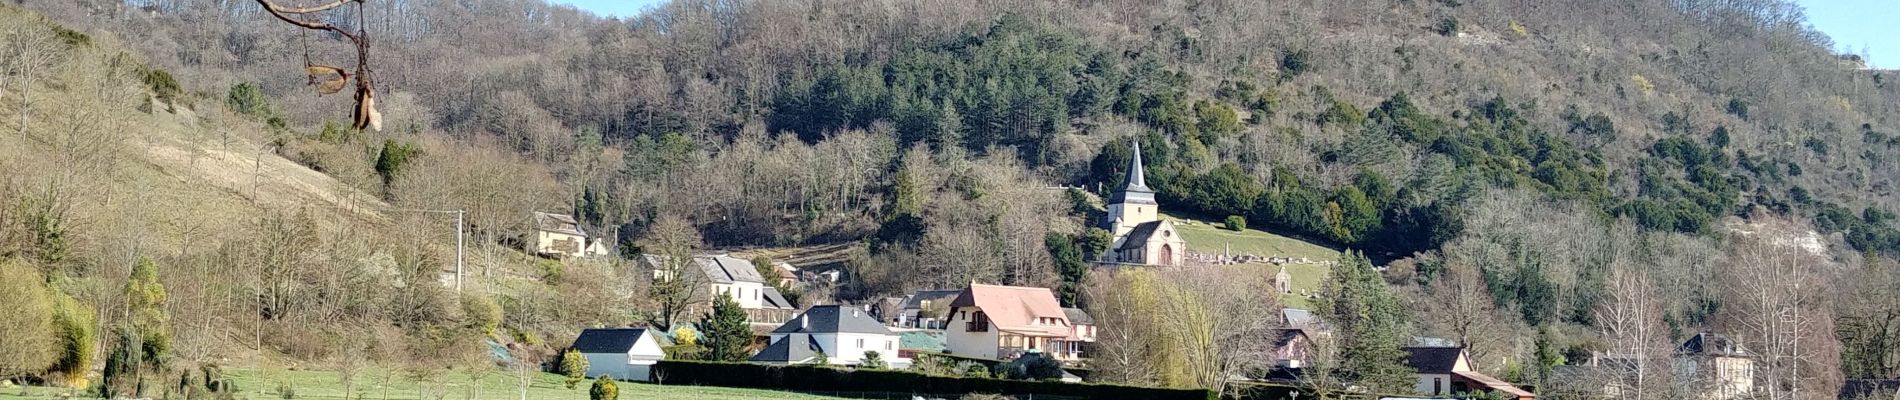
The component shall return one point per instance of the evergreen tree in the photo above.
(145, 298)
(727, 334)
(604, 389)
(874, 360)
(1069, 263)
(1370, 321)
(574, 366)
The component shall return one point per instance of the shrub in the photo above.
(75, 324)
(1295, 62)
(1236, 223)
(873, 360)
(30, 345)
(247, 99)
(1447, 26)
(809, 378)
(604, 389)
(976, 371)
(1642, 84)
(482, 313)
(574, 366)
(162, 85)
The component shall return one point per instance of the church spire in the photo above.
(1135, 187)
(1137, 176)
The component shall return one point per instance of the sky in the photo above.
(1854, 24)
(611, 8)
(1874, 24)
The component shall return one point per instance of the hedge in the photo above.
(808, 378)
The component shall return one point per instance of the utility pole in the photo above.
(459, 227)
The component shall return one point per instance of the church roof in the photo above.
(1139, 236)
(1135, 186)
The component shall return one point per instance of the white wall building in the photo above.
(626, 354)
(842, 333)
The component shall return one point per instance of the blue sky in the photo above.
(1856, 23)
(1874, 24)
(611, 8)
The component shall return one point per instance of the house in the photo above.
(626, 354)
(925, 309)
(841, 333)
(1141, 236)
(1444, 371)
(1292, 348)
(559, 235)
(1002, 322)
(725, 275)
(1601, 376)
(1715, 366)
(787, 274)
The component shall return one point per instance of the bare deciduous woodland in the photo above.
(1554, 182)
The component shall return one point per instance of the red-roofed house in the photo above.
(1002, 322)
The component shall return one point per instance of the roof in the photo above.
(1869, 388)
(720, 268)
(608, 340)
(1298, 318)
(557, 223)
(1140, 235)
(792, 349)
(1711, 344)
(1493, 384)
(1135, 186)
(1430, 360)
(933, 341)
(833, 319)
(774, 299)
(916, 301)
(1015, 308)
(1077, 316)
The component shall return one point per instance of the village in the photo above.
(980, 328)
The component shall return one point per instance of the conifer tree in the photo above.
(146, 301)
(574, 365)
(727, 334)
(1370, 321)
(604, 389)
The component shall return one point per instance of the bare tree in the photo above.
(1219, 323)
(1771, 303)
(1123, 305)
(1630, 319)
(678, 283)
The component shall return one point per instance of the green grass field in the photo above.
(378, 384)
(1209, 237)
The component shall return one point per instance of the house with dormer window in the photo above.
(1003, 322)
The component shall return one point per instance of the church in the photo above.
(1141, 236)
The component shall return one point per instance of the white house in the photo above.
(726, 275)
(842, 333)
(1141, 236)
(1443, 371)
(559, 235)
(1003, 322)
(626, 354)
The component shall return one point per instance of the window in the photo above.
(887, 345)
(1438, 385)
(977, 323)
(860, 343)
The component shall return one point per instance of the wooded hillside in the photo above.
(1548, 159)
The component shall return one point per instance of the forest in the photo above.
(1539, 181)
